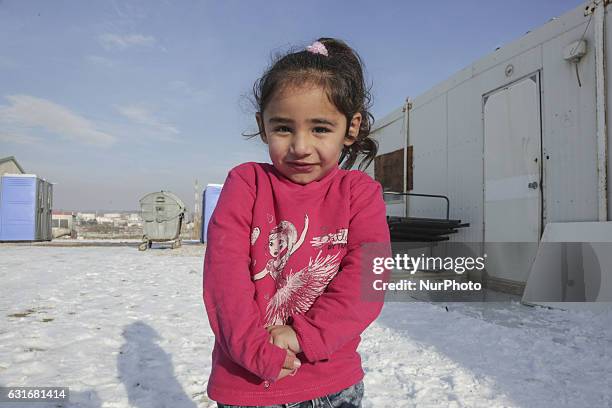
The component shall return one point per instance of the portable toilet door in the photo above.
(46, 208)
(18, 205)
(210, 198)
(40, 209)
(43, 211)
(49, 209)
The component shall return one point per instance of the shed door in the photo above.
(512, 192)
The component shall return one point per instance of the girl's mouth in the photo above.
(301, 167)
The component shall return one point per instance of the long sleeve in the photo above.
(228, 290)
(349, 304)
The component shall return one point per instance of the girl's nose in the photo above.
(300, 145)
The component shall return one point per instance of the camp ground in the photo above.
(126, 328)
(517, 143)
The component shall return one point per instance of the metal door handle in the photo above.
(533, 185)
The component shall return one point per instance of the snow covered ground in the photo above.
(124, 328)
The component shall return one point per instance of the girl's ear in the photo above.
(260, 125)
(353, 129)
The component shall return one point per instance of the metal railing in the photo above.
(424, 195)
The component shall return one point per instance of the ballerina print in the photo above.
(282, 243)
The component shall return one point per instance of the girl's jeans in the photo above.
(347, 398)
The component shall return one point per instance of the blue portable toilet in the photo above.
(25, 208)
(209, 202)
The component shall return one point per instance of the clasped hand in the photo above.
(284, 337)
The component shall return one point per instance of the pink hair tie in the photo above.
(317, 48)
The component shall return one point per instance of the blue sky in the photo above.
(115, 99)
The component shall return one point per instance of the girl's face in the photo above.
(277, 243)
(305, 132)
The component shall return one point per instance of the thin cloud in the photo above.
(142, 116)
(121, 42)
(17, 138)
(25, 112)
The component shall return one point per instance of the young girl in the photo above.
(288, 266)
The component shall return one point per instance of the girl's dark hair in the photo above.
(341, 75)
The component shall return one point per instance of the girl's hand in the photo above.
(290, 366)
(284, 336)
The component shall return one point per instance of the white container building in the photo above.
(516, 141)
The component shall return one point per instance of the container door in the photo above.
(512, 178)
(40, 199)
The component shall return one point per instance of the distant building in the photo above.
(63, 223)
(104, 220)
(9, 165)
(119, 222)
(112, 215)
(86, 216)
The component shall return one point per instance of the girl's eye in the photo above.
(321, 130)
(282, 129)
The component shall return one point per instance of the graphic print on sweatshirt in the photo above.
(295, 292)
(282, 243)
(255, 235)
(332, 240)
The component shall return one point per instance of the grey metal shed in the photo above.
(162, 213)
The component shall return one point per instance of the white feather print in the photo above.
(297, 292)
(255, 235)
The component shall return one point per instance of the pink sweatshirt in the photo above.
(284, 253)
